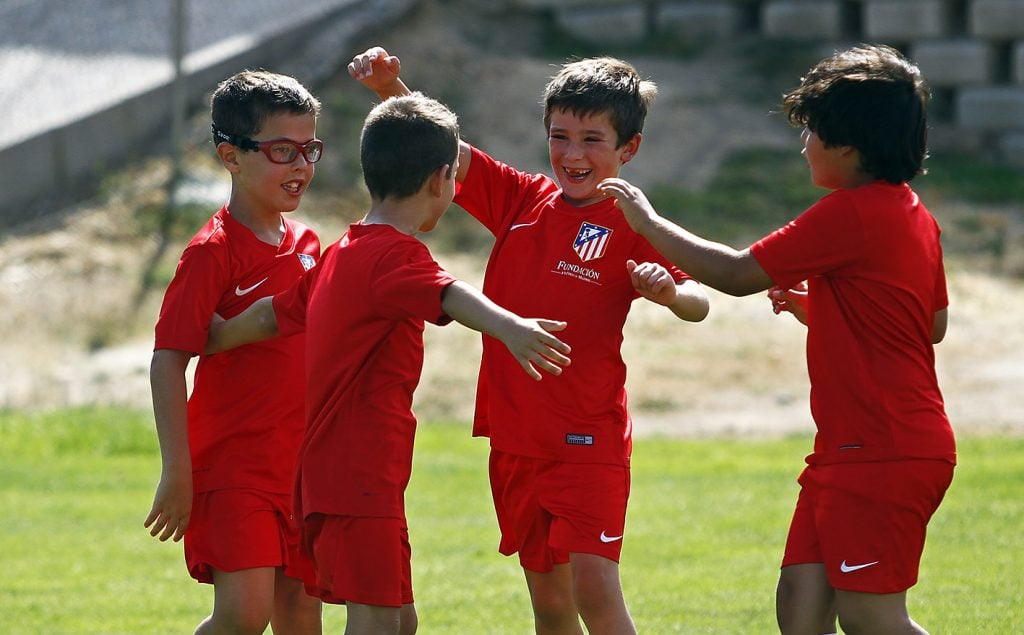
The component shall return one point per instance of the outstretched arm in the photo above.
(716, 265)
(255, 324)
(529, 340)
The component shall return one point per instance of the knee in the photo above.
(553, 611)
(244, 620)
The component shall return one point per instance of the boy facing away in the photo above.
(560, 450)
(229, 451)
(875, 304)
(363, 310)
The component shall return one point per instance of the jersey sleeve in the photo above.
(410, 284)
(191, 299)
(825, 238)
(494, 192)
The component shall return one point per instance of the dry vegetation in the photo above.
(81, 288)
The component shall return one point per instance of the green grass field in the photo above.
(705, 532)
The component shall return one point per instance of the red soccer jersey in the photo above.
(553, 260)
(245, 415)
(873, 263)
(363, 309)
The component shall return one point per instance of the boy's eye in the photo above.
(283, 152)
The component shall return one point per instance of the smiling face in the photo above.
(583, 153)
(262, 187)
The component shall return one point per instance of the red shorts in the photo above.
(866, 521)
(549, 509)
(361, 560)
(235, 529)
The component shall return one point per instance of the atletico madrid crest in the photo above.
(307, 261)
(591, 242)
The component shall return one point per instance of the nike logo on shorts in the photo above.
(848, 568)
(606, 538)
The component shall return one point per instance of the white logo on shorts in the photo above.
(847, 568)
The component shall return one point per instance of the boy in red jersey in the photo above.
(229, 454)
(560, 450)
(363, 310)
(875, 305)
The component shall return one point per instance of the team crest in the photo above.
(308, 262)
(591, 242)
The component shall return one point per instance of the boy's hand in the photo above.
(531, 343)
(172, 506)
(652, 281)
(631, 200)
(378, 71)
(791, 300)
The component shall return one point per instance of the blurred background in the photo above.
(107, 170)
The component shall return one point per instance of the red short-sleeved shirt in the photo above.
(363, 309)
(245, 414)
(873, 263)
(553, 260)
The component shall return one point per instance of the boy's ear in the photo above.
(437, 180)
(228, 155)
(630, 148)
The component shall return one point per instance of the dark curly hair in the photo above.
(872, 98)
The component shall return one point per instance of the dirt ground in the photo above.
(77, 318)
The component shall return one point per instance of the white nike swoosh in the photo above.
(847, 568)
(518, 225)
(239, 291)
(607, 538)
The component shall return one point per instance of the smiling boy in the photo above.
(560, 450)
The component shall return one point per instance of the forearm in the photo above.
(691, 303)
(714, 264)
(255, 324)
(473, 309)
(170, 409)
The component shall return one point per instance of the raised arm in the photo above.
(716, 265)
(379, 71)
(529, 340)
(255, 324)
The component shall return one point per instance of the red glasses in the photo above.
(276, 150)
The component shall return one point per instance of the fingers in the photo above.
(162, 527)
(362, 65)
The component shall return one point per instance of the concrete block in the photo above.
(951, 63)
(995, 108)
(905, 20)
(34, 165)
(699, 20)
(996, 19)
(618, 24)
(1017, 62)
(1011, 148)
(802, 19)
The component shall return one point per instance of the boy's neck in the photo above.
(267, 226)
(405, 215)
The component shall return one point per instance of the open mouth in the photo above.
(576, 175)
(292, 187)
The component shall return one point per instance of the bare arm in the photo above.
(529, 340)
(379, 71)
(939, 325)
(716, 265)
(686, 300)
(172, 503)
(255, 324)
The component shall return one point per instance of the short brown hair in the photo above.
(243, 103)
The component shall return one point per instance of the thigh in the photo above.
(587, 502)
(872, 520)
(524, 523)
(362, 560)
(236, 529)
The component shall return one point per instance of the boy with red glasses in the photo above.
(229, 453)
